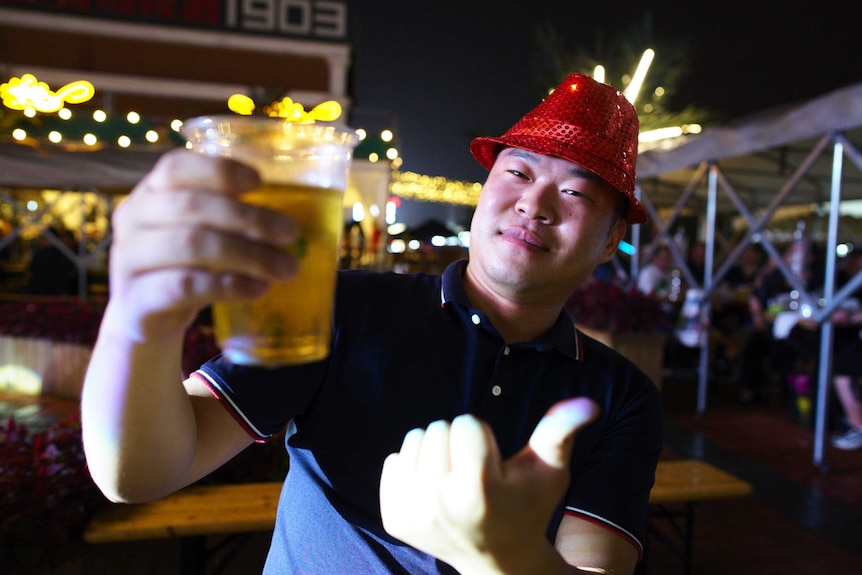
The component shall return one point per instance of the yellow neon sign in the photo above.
(288, 109)
(27, 92)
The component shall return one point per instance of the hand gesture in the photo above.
(182, 240)
(448, 493)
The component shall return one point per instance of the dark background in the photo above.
(445, 71)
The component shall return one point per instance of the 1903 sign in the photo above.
(321, 19)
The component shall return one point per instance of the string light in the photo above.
(26, 93)
(413, 186)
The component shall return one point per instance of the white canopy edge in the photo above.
(23, 166)
(836, 111)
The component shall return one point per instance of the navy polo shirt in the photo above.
(408, 350)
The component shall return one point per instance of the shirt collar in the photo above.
(452, 286)
(561, 336)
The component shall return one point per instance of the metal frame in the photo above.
(717, 181)
(81, 257)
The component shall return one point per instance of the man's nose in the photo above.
(536, 203)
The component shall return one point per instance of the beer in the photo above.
(304, 167)
(292, 323)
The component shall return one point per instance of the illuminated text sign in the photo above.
(321, 19)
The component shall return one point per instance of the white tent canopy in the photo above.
(22, 166)
(758, 154)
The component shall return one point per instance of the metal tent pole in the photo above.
(827, 329)
(703, 365)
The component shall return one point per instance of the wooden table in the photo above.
(191, 512)
(679, 487)
(197, 512)
(191, 515)
(692, 480)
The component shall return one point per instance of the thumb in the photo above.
(554, 435)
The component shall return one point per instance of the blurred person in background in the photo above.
(847, 365)
(654, 279)
(51, 271)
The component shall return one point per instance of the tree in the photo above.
(558, 56)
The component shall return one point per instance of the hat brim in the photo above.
(486, 150)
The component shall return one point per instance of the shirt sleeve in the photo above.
(262, 400)
(614, 466)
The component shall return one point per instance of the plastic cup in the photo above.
(304, 170)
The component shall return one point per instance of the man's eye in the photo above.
(575, 193)
(520, 174)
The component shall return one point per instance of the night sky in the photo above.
(448, 70)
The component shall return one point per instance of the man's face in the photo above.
(541, 227)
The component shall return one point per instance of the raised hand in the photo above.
(183, 240)
(447, 492)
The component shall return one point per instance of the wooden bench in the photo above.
(201, 511)
(191, 512)
(679, 487)
(191, 515)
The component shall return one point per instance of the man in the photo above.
(50, 271)
(469, 386)
(654, 278)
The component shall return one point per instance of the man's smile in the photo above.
(524, 238)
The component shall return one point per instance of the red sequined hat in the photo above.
(582, 121)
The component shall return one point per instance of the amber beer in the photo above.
(292, 322)
(304, 171)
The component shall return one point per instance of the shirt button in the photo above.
(506, 350)
(496, 390)
(476, 319)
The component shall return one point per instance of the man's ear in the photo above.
(615, 236)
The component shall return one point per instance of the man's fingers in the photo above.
(434, 458)
(185, 168)
(204, 249)
(192, 208)
(411, 448)
(552, 439)
(473, 447)
(189, 189)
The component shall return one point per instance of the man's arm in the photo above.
(592, 546)
(146, 432)
(180, 241)
(447, 492)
